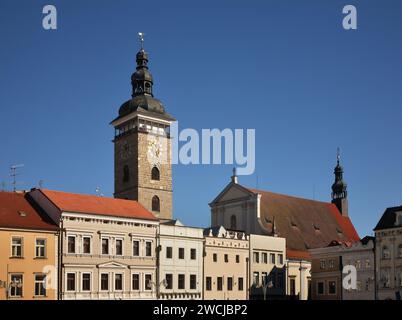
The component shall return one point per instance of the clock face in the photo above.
(155, 150)
(125, 151)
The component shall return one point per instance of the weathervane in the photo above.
(141, 37)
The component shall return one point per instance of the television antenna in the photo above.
(14, 173)
(40, 183)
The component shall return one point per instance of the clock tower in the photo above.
(142, 146)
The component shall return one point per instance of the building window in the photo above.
(256, 257)
(215, 257)
(272, 257)
(16, 285)
(148, 248)
(240, 284)
(169, 281)
(40, 290)
(233, 222)
(256, 279)
(86, 245)
(368, 263)
(126, 174)
(193, 254)
(70, 281)
(156, 204)
(358, 264)
(386, 253)
(181, 253)
(226, 258)
(385, 278)
(320, 288)
(169, 252)
(400, 249)
(119, 247)
(322, 264)
(118, 282)
(331, 263)
(40, 248)
(332, 287)
(16, 247)
(181, 282)
(264, 278)
(193, 281)
(155, 174)
(230, 283)
(105, 246)
(208, 283)
(136, 248)
(280, 257)
(237, 258)
(71, 244)
(264, 257)
(292, 287)
(219, 283)
(86, 282)
(135, 281)
(104, 282)
(148, 282)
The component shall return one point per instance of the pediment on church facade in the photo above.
(231, 192)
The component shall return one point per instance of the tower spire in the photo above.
(339, 187)
(141, 38)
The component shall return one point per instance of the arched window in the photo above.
(126, 174)
(156, 206)
(385, 253)
(233, 222)
(400, 250)
(155, 174)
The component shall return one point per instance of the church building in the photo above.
(305, 223)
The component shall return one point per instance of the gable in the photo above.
(232, 191)
(112, 265)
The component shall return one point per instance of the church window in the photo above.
(126, 174)
(155, 204)
(233, 222)
(155, 174)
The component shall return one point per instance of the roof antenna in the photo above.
(3, 186)
(40, 183)
(141, 38)
(14, 174)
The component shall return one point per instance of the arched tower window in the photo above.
(126, 174)
(233, 222)
(156, 206)
(155, 174)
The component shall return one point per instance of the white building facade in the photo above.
(180, 261)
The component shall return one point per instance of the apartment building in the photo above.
(226, 264)
(108, 246)
(267, 267)
(180, 261)
(28, 250)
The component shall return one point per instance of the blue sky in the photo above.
(286, 68)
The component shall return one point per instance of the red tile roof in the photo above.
(17, 212)
(306, 224)
(91, 204)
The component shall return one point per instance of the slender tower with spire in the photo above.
(339, 188)
(142, 145)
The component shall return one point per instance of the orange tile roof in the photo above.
(297, 254)
(91, 204)
(17, 212)
(306, 224)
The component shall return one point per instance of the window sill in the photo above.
(16, 257)
(40, 258)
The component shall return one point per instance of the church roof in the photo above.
(17, 212)
(91, 204)
(306, 224)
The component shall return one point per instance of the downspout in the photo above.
(60, 263)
